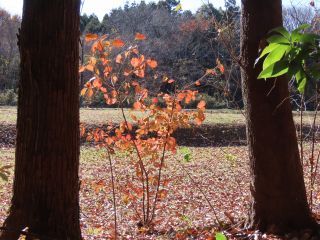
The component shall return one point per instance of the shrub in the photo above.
(8, 97)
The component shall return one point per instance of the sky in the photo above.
(100, 7)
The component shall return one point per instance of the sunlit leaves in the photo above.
(220, 236)
(82, 69)
(119, 58)
(201, 105)
(152, 63)
(220, 66)
(140, 36)
(91, 37)
(137, 105)
(97, 83)
(97, 46)
(136, 62)
(89, 92)
(118, 43)
(287, 53)
(118, 74)
(83, 91)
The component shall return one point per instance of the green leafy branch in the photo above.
(288, 53)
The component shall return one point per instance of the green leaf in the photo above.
(282, 31)
(186, 152)
(269, 49)
(301, 27)
(187, 157)
(178, 8)
(304, 37)
(220, 236)
(277, 39)
(275, 70)
(301, 79)
(275, 55)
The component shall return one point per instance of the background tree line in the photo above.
(185, 45)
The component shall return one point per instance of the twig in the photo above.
(113, 195)
(204, 195)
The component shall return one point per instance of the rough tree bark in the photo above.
(46, 183)
(278, 190)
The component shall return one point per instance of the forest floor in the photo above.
(211, 187)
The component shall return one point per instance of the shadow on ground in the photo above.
(196, 136)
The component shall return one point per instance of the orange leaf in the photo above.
(139, 73)
(200, 118)
(103, 89)
(97, 46)
(114, 93)
(107, 70)
(140, 36)
(83, 91)
(90, 37)
(82, 68)
(137, 105)
(171, 143)
(126, 72)
(152, 63)
(88, 85)
(97, 83)
(181, 96)
(211, 71)
(114, 79)
(135, 62)
(221, 68)
(119, 58)
(118, 43)
(219, 65)
(89, 92)
(111, 101)
(201, 104)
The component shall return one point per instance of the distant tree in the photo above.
(9, 52)
(84, 19)
(93, 25)
(232, 10)
(105, 25)
(208, 11)
(46, 183)
(185, 44)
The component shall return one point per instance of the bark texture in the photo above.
(279, 197)
(46, 183)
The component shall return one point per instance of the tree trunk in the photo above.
(46, 182)
(279, 196)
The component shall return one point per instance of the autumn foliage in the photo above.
(118, 71)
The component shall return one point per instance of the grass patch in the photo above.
(8, 115)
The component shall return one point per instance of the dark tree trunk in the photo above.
(278, 190)
(46, 183)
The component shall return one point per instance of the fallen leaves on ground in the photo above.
(221, 173)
